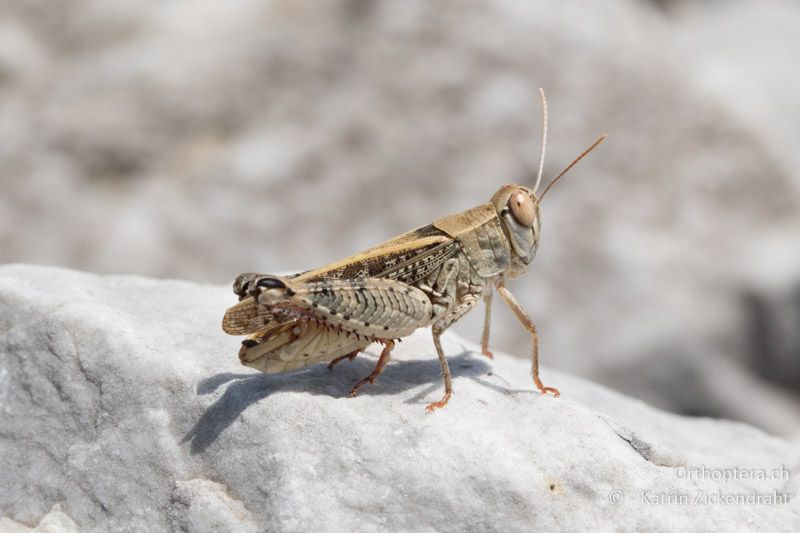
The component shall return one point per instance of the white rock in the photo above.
(56, 521)
(202, 505)
(124, 403)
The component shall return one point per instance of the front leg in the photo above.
(526, 321)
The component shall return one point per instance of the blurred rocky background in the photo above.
(199, 139)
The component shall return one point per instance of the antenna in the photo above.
(585, 152)
(544, 140)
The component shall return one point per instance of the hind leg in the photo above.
(352, 355)
(242, 283)
(382, 361)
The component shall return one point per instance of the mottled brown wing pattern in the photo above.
(245, 318)
(388, 258)
(419, 265)
(407, 258)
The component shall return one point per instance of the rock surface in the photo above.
(123, 407)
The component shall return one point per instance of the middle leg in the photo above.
(438, 328)
(487, 322)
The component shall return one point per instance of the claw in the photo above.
(488, 353)
(438, 405)
(545, 390)
(354, 390)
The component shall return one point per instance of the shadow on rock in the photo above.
(247, 389)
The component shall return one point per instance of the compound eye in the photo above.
(522, 209)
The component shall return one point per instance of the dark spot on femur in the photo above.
(366, 324)
(346, 317)
(315, 304)
(249, 343)
(385, 328)
(271, 283)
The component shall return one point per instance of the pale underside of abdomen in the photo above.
(299, 345)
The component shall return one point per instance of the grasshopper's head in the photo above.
(518, 206)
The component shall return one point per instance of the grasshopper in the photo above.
(429, 277)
